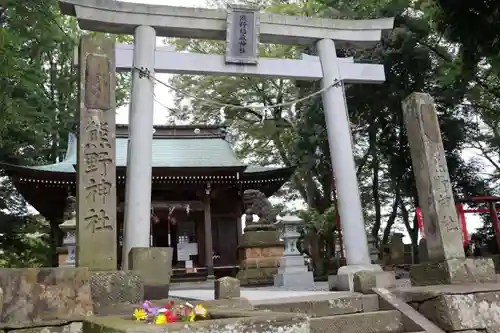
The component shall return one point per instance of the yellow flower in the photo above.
(191, 316)
(161, 319)
(140, 314)
(200, 311)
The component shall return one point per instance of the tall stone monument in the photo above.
(96, 172)
(446, 258)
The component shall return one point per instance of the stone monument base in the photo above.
(293, 274)
(259, 255)
(344, 280)
(109, 288)
(453, 271)
(466, 307)
(154, 266)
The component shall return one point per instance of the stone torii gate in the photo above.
(243, 28)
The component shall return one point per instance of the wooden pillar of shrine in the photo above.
(208, 232)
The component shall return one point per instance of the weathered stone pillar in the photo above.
(293, 272)
(447, 263)
(96, 172)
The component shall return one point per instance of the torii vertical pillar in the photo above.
(139, 156)
(344, 169)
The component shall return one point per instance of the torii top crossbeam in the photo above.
(200, 23)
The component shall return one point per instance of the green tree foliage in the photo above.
(415, 58)
(38, 106)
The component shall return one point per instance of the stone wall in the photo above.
(58, 299)
(457, 307)
(44, 299)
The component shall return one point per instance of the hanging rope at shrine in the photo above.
(145, 73)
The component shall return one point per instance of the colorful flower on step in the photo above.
(140, 314)
(191, 316)
(171, 318)
(167, 316)
(200, 311)
(161, 319)
(150, 309)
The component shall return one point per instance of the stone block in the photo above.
(316, 305)
(154, 266)
(344, 280)
(293, 274)
(44, 296)
(258, 238)
(69, 328)
(365, 281)
(221, 321)
(373, 322)
(413, 321)
(493, 329)
(113, 287)
(454, 312)
(273, 251)
(259, 262)
(295, 281)
(496, 262)
(333, 282)
(227, 287)
(453, 271)
(257, 276)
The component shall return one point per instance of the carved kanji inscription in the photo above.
(98, 82)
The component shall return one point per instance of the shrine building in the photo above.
(197, 180)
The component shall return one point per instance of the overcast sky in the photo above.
(163, 95)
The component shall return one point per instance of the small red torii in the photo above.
(492, 210)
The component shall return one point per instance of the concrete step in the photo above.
(367, 322)
(322, 305)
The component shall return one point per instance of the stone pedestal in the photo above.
(293, 273)
(453, 271)
(260, 254)
(226, 288)
(154, 266)
(344, 280)
(109, 288)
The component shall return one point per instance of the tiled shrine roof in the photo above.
(173, 147)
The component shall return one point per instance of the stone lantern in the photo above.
(67, 253)
(372, 247)
(293, 272)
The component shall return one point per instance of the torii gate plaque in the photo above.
(145, 22)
